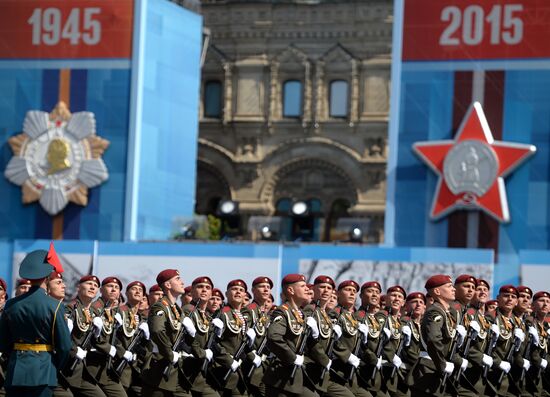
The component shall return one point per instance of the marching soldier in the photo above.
(319, 360)
(259, 315)
(201, 291)
(22, 286)
(186, 298)
(226, 372)
(438, 334)
(481, 296)
(369, 374)
(541, 308)
(3, 362)
(354, 335)
(155, 294)
(415, 307)
(3, 294)
(215, 302)
(285, 375)
(33, 333)
(134, 325)
(81, 318)
(165, 323)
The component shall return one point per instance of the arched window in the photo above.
(292, 98)
(213, 99)
(339, 98)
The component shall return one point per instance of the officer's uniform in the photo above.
(33, 333)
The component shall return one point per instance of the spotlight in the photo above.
(266, 232)
(356, 234)
(228, 208)
(188, 232)
(299, 208)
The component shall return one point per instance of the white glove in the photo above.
(97, 322)
(329, 365)
(396, 361)
(251, 335)
(176, 357)
(209, 354)
(118, 319)
(526, 364)
(337, 331)
(543, 363)
(505, 366)
(518, 333)
(144, 327)
(487, 360)
(534, 335)
(387, 332)
(407, 332)
(364, 329)
(112, 351)
(70, 325)
(449, 368)
(495, 329)
(218, 327)
(379, 363)
(80, 353)
(312, 324)
(474, 325)
(235, 365)
(461, 334)
(299, 361)
(128, 356)
(354, 360)
(257, 360)
(189, 327)
(464, 364)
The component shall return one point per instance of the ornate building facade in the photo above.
(295, 101)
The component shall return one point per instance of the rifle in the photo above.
(237, 356)
(259, 352)
(544, 354)
(526, 355)
(112, 340)
(400, 348)
(177, 342)
(330, 349)
(472, 335)
(490, 347)
(452, 353)
(382, 340)
(88, 338)
(210, 342)
(123, 363)
(356, 350)
(514, 348)
(302, 346)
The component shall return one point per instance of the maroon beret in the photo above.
(261, 280)
(491, 302)
(397, 288)
(466, 278)
(348, 283)
(154, 288)
(89, 277)
(371, 284)
(437, 281)
(237, 283)
(480, 281)
(202, 280)
(55, 275)
(523, 288)
(508, 289)
(324, 280)
(416, 295)
(293, 278)
(3, 284)
(166, 275)
(137, 283)
(111, 279)
(217, 292)
(187, 290)
(541, 294)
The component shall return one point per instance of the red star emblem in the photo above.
(472, 167)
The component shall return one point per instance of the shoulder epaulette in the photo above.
(252, 306)
(123, 308)
(284, 307)
(361, 314)
(471, 311)
(382, 313)
(98, 304)
(164, 302)
(405, 319)
(337, 310)
(226, 309)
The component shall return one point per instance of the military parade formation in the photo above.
(323, 340)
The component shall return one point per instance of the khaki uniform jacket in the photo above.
(375, 322)
(317, 358)
(260, 319)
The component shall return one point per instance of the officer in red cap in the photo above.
(84, 319)
(33, 335)
(354, 334)
(259, 314)
(165, 322)
(284, 335)
(538, 376)
(438, 333)
(215, 302)
(155, 294)
(134, 325)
